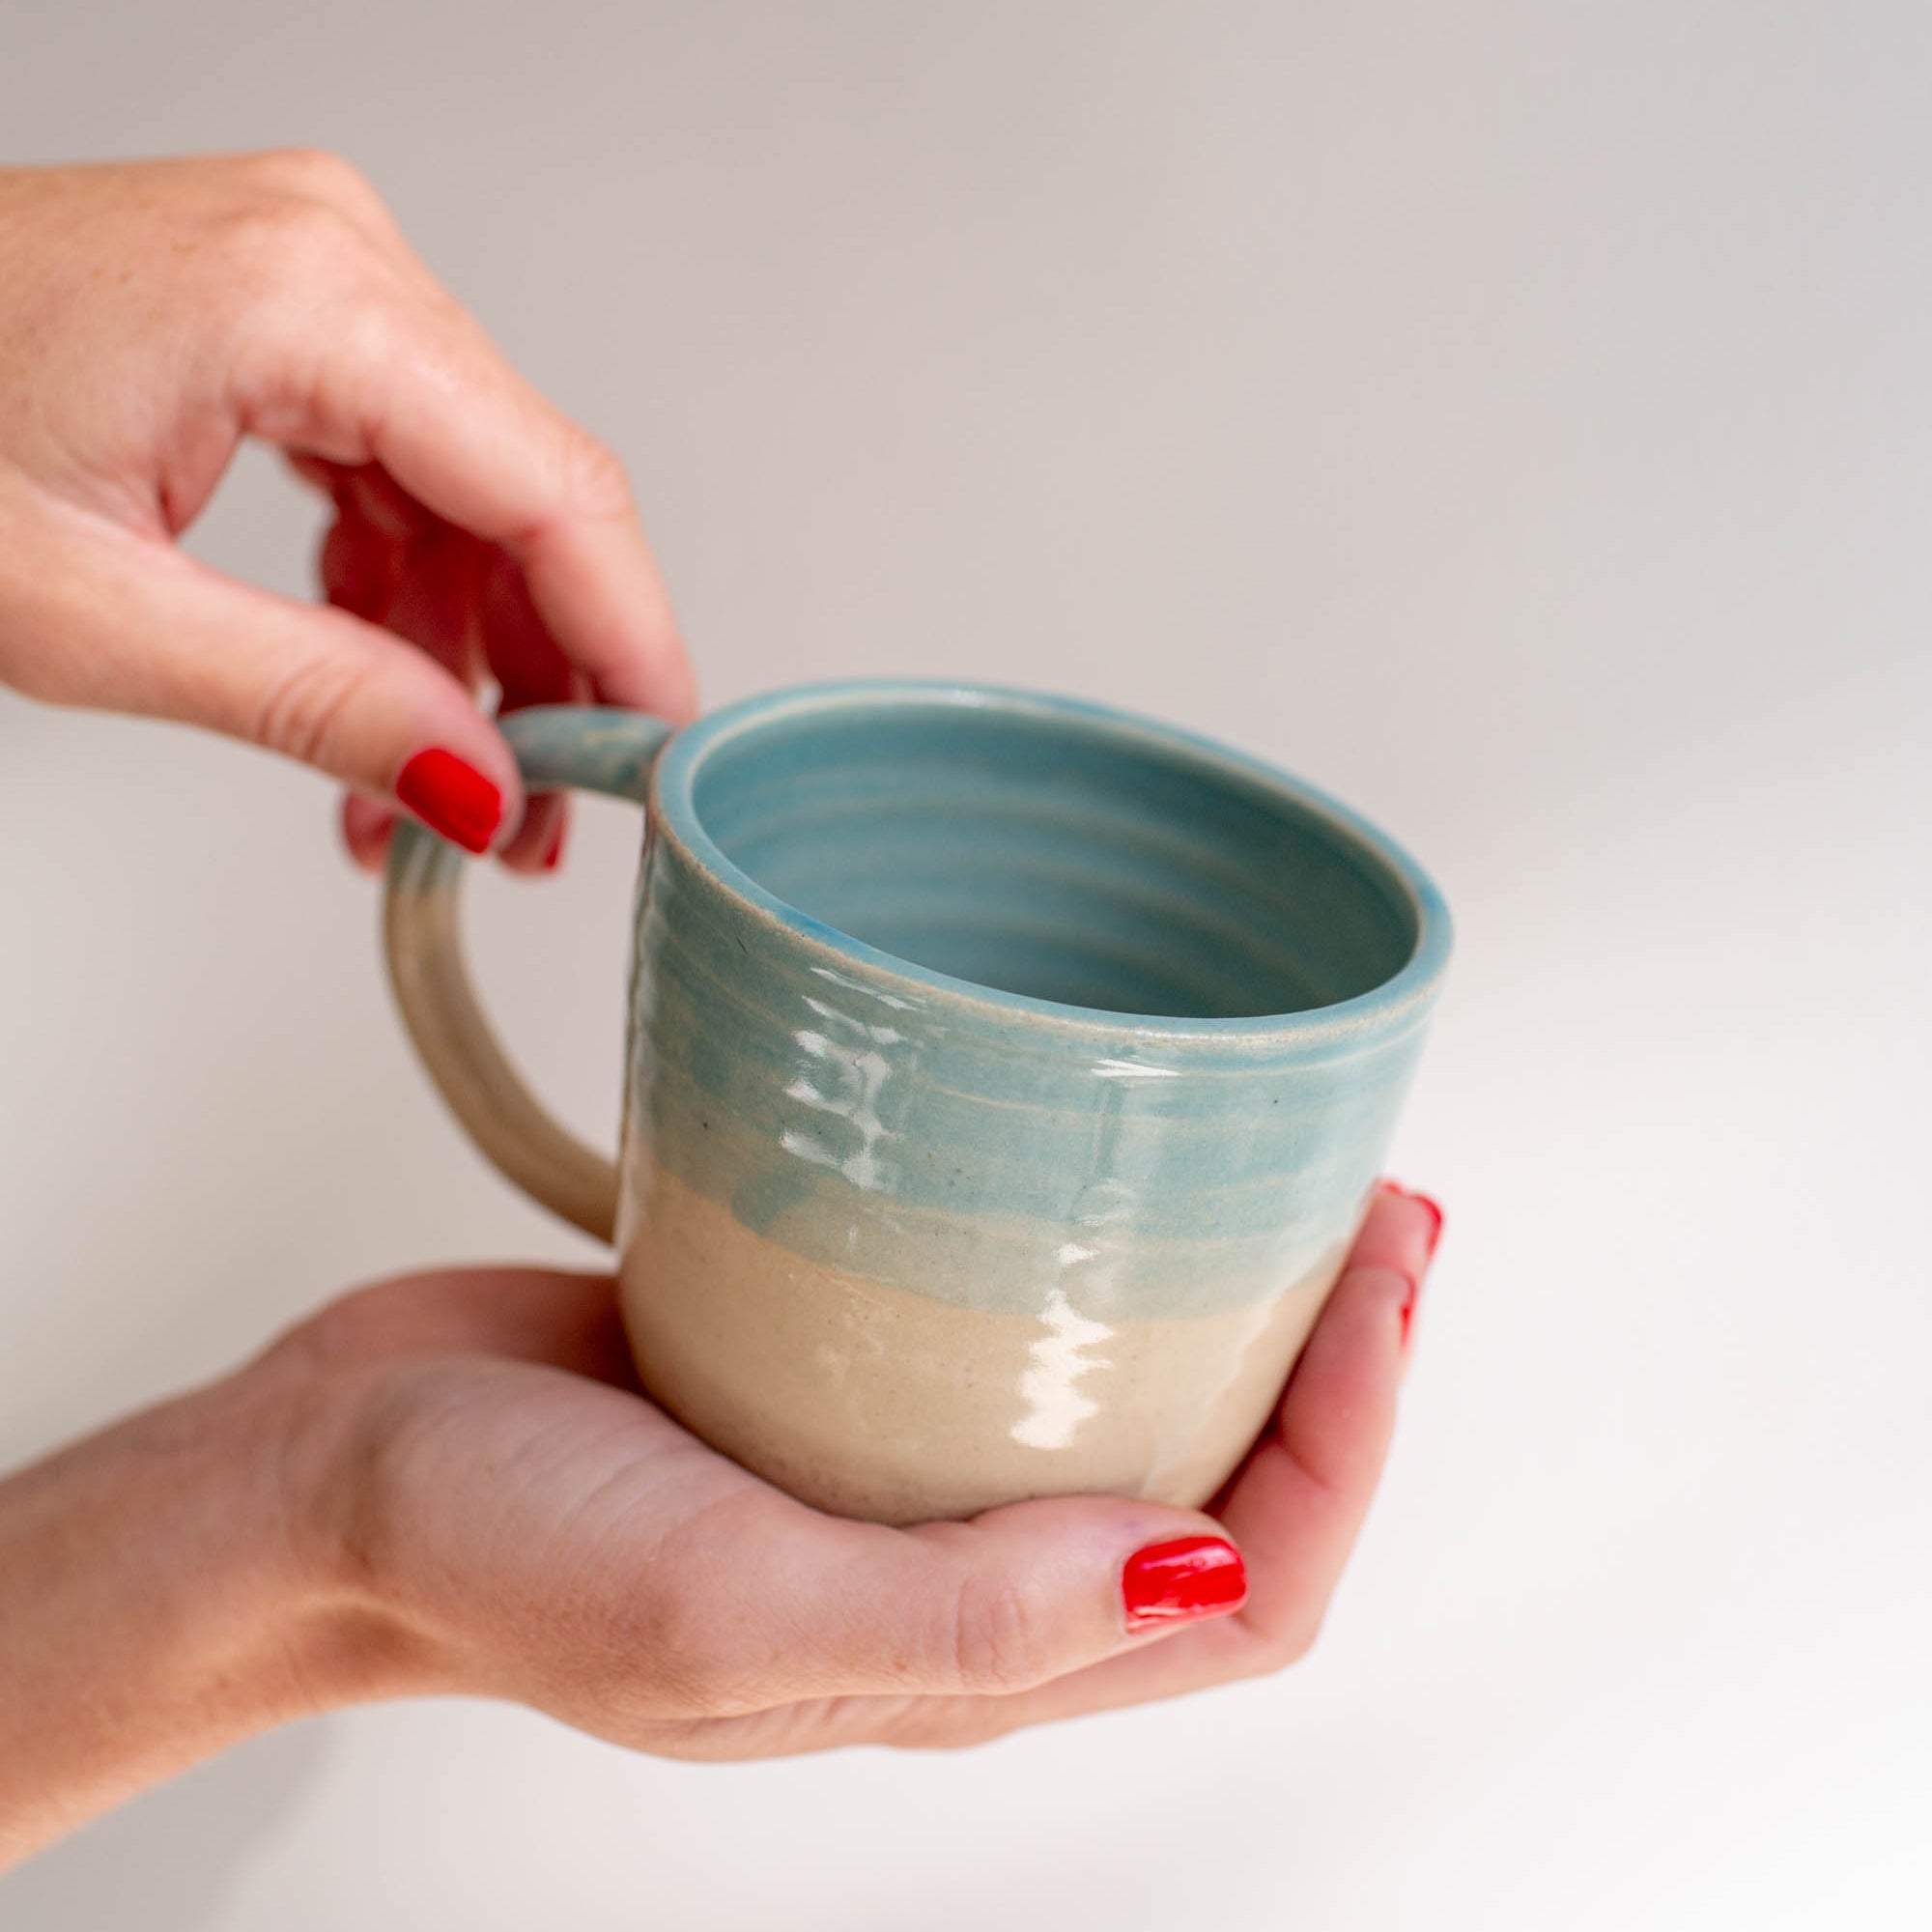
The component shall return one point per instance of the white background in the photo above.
(1512, 416)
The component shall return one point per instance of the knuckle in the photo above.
(318, 173)
(367, 331)
(694, 1673)
(291, 233)
(999, 1643)
(594, 480)
(349, 1329)
(711, 1655)
(297, 286)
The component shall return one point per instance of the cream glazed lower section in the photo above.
(870, 1401)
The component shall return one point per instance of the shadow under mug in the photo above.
(1006, 1079)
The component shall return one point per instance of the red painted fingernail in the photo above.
(1408, 1301)
(452, 798)
(1191, 1576)
(1435, 1216)
(553, 858)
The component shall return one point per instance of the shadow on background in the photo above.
(166, 1860)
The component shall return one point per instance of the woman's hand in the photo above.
(450, 1482)
(151, 317)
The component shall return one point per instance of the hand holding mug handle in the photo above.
(588, 750)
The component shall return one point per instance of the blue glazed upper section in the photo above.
(896, 799)
(994, 995)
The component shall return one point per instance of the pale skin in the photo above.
(152, 316)
(451, 1483)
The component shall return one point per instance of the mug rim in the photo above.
(1406, 994)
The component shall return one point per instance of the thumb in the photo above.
(136, 627)
(1012, 1598)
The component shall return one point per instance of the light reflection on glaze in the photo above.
(842, 1076)
(878, 993)
(1055, 1407)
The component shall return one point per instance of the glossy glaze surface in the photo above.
(1006, 1079)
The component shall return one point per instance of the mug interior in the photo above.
(1078, 860)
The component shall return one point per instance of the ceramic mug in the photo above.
(1007, 1078)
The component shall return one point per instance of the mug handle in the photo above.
(588, 749)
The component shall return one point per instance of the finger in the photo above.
(1400, 1231)
(418, 388)
(538, 846)
(375, 496)
(315, 471)
(388, 560)
(360, 568)
(1294, 1511)
(363, 490)
(530, 670)
(435, 605)
(1306, 1489)
(367, 827)
(122, 622)
(1013, 1599)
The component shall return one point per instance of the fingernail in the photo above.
(452, 798)
(1435, 1216)
(1408, 1302)
(1388, 1186)
(553, 858)
(1191, 1576)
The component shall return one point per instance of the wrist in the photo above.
(163, 1594)
(316, 1616)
